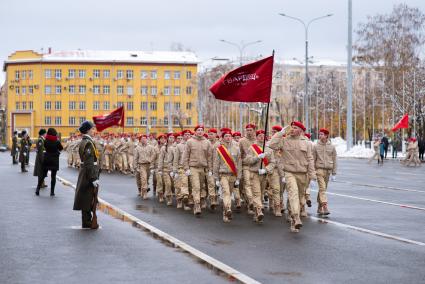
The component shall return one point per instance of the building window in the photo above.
(189, 121)
(72, 105)
(154, 91)
(58, 120)
(130, 121)
(166, 91)
(96, 105)
(71, 73)
(106, 74)
(143, 120)
(120, 90)
(177, 91)
(153, 106)
(130, 105)
(188, 74)
(47, 73)
(106, 105)
(72, 89)
(24, 105)
(71, 120)
(96, 89)
(188, 106)
(165, 120)
(189, 90)
(31, 106)
(106, 89)
(176, 75)
(81, 73)
(30, 74)
(82, 119)
(82, 105)
(82, 89)
(17, 90)
(16, 75)
(143, 74)
(47, 90)
(24, 90)
(129, 90)
(176, 106)
(58, 90)
(119, 74)
(120, 104)
(17, 105)
(153, 120)
(23, 75)
(96, 73)
(176, 121)
(47, 120)
(167, 75)
(154, 75)
(144, 105)
(167, 106)
(144, 90)
(47, 105)
(129, 74)
(58, 74)
(30, 90)
(58, 105)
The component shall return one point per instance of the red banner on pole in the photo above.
(114, 118)
(403, 123)
(248, 83)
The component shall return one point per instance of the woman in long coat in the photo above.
(38, 165)
(53, 147)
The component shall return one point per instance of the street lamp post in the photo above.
(306, 26)
(241, 47)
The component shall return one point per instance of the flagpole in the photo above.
(267, 123)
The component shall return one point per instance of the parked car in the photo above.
(3, 148)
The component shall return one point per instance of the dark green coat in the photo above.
(23, 150)
(89, 172)
(38, 166)
(14, 149)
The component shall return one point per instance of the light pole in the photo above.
(241, 47)
(306, 26)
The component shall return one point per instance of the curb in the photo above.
(215, 265)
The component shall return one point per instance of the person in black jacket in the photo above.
(38, 165)
(53, 147)
(421, 145)
(386, 143)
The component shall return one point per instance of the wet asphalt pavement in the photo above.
(388, 202)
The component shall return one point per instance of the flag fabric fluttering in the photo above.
(403, 123)
(248, 83)
(116, 117)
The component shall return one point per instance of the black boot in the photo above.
(37, 191)
(52, 192)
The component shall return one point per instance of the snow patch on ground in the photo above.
(357, 151)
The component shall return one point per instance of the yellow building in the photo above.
(157, 89)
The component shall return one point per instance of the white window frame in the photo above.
(81, 73)
(96, 73)
(106, 89)
(106, 105)
(47, 90)
(58, 90)
(120, 90)
(167, 75)
(82, 105)
(48, 120)
(58, 74)
(167, 90)
(96, 89)
(71, 73)
(143, 74)
(47, 73)
(120, 74)
(154, 75)
(177, 91)
(47, 105)
(177, 75)
(106, 74)
(82, 89)
(71, 89)
(58, 120)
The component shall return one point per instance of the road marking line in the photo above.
(213, 263)
(376, 201)
(376, 233)
(381, 186)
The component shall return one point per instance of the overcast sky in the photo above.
(197, 24)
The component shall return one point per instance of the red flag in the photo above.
(403, 123)
(248, 83)
(114, 118)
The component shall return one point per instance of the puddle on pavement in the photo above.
(147, 209)
(219, 242)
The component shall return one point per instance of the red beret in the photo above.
(161, 136)
(225, 132)
(143, 135)
(324, 131)
(308, 135)
(237, 133)
(170, 134)
(277, 128)
(178, 134)
(212, 130)
(250, 125)
(199, 126)
(205, 135)
(186, 131)
(298, 124)
(225, 129)
(260, 132)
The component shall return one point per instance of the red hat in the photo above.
(143, 135)
(205, 135)
(225, 132)
(225, 129)
(178, 134)
(161, 136)
(186, 131)
(308, 135)
(199, 126)
(413, 139)
(324, 131)
(250, 125)
(170, 134)
(212, 130)
(277, 128)
(298, 124)
(237, 133)
(260, 132)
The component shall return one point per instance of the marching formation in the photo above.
(198, 168)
